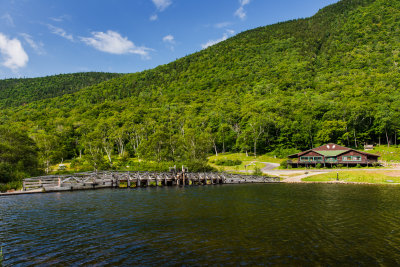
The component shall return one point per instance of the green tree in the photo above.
(18, 155)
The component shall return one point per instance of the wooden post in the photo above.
(138, 181)
(337, 176)
(129, 181)
(156, 180)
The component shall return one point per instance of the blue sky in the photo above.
(46, 37)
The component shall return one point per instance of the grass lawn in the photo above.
(378, 177)
(391, 153)
(251, 161)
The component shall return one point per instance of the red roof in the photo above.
(330, 147)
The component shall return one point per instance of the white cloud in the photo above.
(240, 12)
(8, 19)
(61, 32)
(213, 42)
(113, 43)
(223, 38)
(38, 47)
(57, 19)
(154, 17)
(222, 24)
(14, 55)
(61, 18)
(169, 39)
(161, 5)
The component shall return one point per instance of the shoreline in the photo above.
(131, 180)
(20, 192)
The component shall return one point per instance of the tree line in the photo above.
(278, 89)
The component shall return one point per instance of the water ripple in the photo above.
(219, 225)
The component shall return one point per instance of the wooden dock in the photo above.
(96, 180)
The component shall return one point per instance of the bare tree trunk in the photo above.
(355, 138)
(387, 137)
(121, 145)
(255, 148)
(47, 166)
(223, 143)
(108, 151)
(215, 148)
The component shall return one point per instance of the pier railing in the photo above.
(93, 180)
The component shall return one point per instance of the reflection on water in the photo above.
(295, 224)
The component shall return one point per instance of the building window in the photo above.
(351, 158)
(309, 159)
(331, 159)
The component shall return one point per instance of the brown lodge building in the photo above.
(330, 155)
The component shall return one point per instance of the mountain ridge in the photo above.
(331, 77)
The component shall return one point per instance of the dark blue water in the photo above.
(275, 224)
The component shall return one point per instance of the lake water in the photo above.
(293, 224)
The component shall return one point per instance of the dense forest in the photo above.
(15, 92)
(333, 77)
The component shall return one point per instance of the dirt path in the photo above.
(296, 176)
(298, 179)
(269, 166)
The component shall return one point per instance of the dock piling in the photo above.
(96, 180)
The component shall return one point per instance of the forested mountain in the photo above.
(14, 92)
(332, 77)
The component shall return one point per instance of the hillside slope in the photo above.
(14, 92)
(332, 77)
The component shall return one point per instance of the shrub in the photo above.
(340, 166)
(198, 166)
(76, 162)
(284, 164)
(376, 164)
(358, 166)
(257, 171)
(318, 166)
(11, 185)
(6, 172)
